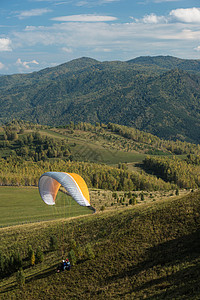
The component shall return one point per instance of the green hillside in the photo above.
(150, 251)
(159, 95)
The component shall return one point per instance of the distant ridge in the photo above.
(168, 62)
(158, 94)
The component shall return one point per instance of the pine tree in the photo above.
(72, 257)
(39, 256)
(20, 278)
(53, 243)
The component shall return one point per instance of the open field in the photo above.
(20, 205)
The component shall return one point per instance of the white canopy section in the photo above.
(50, 182)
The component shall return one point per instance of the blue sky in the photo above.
(35, 34)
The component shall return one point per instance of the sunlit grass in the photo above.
(20, 205)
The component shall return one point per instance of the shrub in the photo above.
(129, 194)
(133, 201)
(53, 243)
(73, 244)
(32, 259)
(114, 195)
(20, 278)
(102, 208)
(89, 252)
(177, 192)
(79, 252)
(15, 262)
(39, 256)
(72, 257)
(30, 251)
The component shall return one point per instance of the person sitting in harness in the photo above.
(64, 265)
(68, 264)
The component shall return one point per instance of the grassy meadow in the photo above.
(21, 205)
(150, 251)
(86, 147)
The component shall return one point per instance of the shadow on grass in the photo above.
(41, 274)
(183, 284)
(164, 261)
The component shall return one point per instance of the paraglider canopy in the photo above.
(50, 182)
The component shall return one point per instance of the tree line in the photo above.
(174, 170)
(34, 146)
(16, 171)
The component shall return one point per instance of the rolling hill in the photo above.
(160, 95)
(150, 251)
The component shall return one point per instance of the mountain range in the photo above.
(160, 95)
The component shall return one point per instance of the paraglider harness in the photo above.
(65, 265)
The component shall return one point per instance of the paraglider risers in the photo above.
(92, 208)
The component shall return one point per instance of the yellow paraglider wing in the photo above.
(82, 185)
(50, 182)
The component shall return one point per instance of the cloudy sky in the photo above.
(35, 34)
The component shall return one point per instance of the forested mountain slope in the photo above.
(168, 62)
(160, 95)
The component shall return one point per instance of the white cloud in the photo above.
(67, 50)
(25, 64)
(75, 35)
(180, 15)
(102, 50)
(94, 3)
(153, 19)
(197, 48)
(82, 3)
(32, 13)
(5, 44)
(1, 66)
(186, 15)
(85, 18)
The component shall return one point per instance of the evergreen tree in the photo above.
(142, 197)
(39, 256)
(20, 278)
(72, 257)
(53, 243)
(30, 251)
